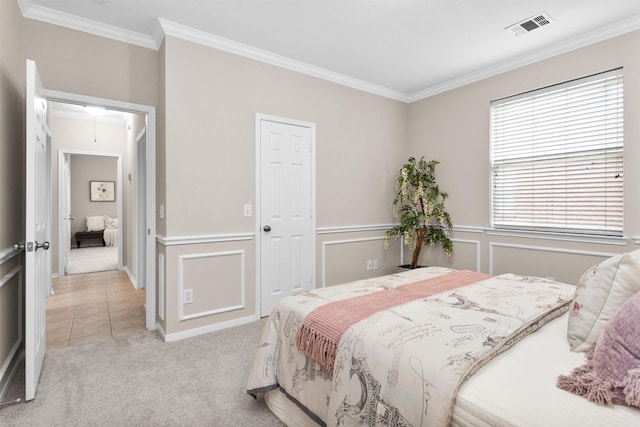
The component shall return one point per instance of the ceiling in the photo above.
(402, 49)
(80, 112)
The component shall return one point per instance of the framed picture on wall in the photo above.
(102, 191)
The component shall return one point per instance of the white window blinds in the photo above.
(557, 157)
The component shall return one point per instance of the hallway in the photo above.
(93, 307)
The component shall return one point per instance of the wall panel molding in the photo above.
(471, 242)
(183, 261)
(204, 238)
(342, 242)
(161, 285)
(15, 273)
(353, 228)
(8, 253)
(493, 245)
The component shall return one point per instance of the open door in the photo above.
(64, 212)
(38, 228)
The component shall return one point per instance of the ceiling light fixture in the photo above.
(530, 24)
(95, 111)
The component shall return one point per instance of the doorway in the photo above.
(143, 228)
(78, 213)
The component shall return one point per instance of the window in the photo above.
(557, 158)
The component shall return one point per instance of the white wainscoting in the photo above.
(341, 242)
(13, 277)
(547, 249)
(161, 285)
(210, 238)
(470, 242)
(384, 227)
(183, 266)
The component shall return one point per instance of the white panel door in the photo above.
(286, 211)
(37, 230)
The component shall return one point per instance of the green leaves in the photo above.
(419, 204)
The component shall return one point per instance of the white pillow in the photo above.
(95, 223)
(110, 223)
(600, 292)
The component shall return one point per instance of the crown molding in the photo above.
(216, 42)
(601, 34)
(73, 22)
(165, 27)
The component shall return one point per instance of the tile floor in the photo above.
(93, 307)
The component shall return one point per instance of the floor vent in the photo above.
(530, 24)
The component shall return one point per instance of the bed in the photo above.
(381, 374)
(101, 227)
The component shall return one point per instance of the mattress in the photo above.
(517, 388)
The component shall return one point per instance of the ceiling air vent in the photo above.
(530, 24)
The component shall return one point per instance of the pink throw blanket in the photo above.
(322, 329)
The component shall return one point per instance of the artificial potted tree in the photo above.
(419, 204)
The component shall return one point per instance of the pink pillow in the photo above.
(612, 372)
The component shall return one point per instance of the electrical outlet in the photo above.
(187, 296)
(369, 264)
(376, 264)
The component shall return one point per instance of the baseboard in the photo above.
(160, 330)
(131, 277)
(206, 329)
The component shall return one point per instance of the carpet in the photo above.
(139, 380)
(92, 259)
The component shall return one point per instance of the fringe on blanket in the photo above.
(631, 384)
(317, 346)
(586, 382)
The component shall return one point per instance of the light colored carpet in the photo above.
(92, 259)
(141, 381)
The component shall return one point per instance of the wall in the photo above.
(453, 128)
(211, 99)
(12, 201)
(86, 168)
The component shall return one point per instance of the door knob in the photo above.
(267, 228)
(43, 245)
(18, 246)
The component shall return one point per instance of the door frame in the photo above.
(149, 219)
(257, 211)
(64, 224)
(62, 201)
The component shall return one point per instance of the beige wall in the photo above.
(86, 168)
(211, 100)
(453, 128)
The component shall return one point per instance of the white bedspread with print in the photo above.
(402, 366)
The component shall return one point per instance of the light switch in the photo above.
(161, 211)
(247, 210)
